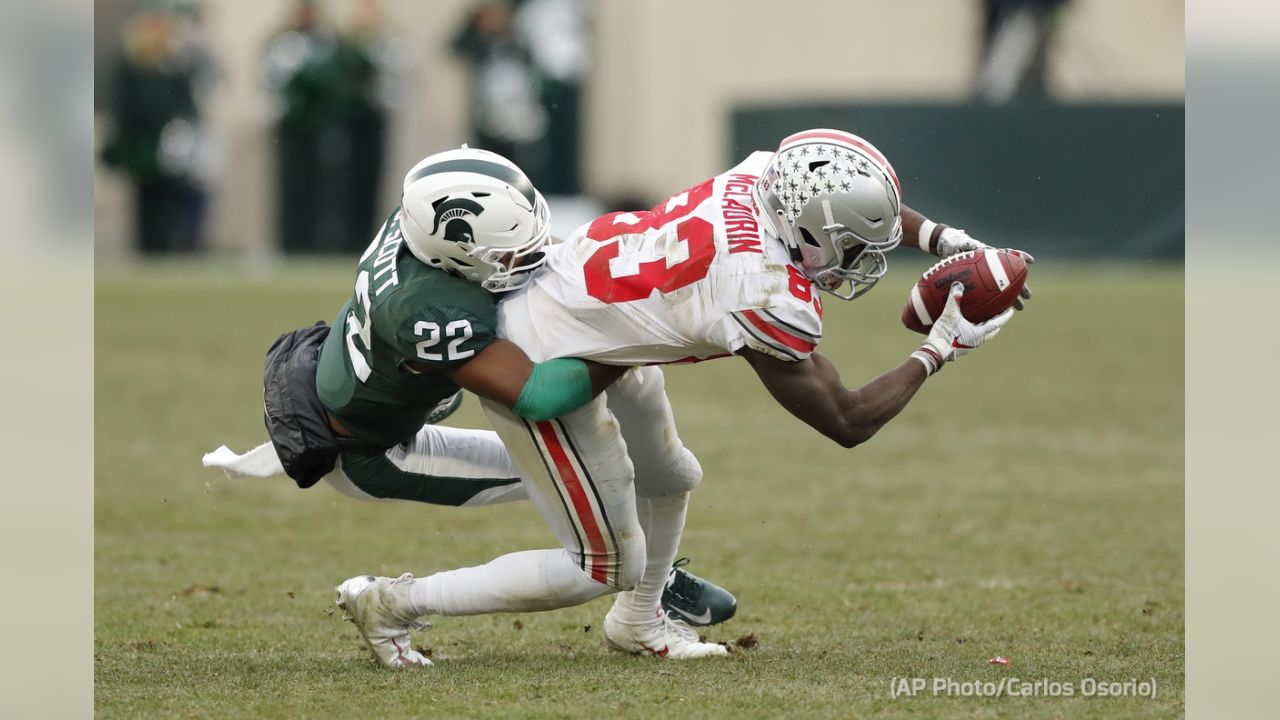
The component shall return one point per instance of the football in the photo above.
(992, 280)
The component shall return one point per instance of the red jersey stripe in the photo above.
(774, 332)
(581, 505)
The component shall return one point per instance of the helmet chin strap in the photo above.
(793, 248)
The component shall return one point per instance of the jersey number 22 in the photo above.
(457, 332)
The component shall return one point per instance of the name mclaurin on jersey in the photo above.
(741, 228)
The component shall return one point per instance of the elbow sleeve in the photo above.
(554, 388)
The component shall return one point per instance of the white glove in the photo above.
(952, 336)
(952, 241)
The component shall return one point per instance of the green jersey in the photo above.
(379, 368)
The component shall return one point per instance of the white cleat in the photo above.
(660, 637)
(379, 608)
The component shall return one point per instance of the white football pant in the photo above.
(612, 480)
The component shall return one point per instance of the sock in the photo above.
(662, 520)
(528, 581)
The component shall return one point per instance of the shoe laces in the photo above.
(683, 585)
(413, 622)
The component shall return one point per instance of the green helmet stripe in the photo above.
(494, 170)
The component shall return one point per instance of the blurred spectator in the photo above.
(556, 34)
(206, 73)
(302, 69)
(507, 116)
(1016, 35)
(195, 47)
(157, 138)
(371, 61)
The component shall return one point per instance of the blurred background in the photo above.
(259, 129)
(243, 137)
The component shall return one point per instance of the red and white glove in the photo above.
(945, 241)
(952, 336)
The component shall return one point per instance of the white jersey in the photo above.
(697, 277)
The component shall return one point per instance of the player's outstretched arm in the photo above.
(934, 238)
(502, 372)
(811, 390)
(912, 223)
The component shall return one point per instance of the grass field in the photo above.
(1028, 504)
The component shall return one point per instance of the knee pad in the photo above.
(687, 472)
(682, 474)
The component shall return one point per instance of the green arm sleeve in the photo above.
(554, 388)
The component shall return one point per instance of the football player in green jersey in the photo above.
(355, 405)
(421, 326)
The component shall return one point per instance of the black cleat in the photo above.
(695, 601)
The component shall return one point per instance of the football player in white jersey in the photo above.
(728, 267)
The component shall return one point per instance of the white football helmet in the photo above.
(475, 214)
(835, 202)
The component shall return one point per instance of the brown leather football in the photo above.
(992, 280)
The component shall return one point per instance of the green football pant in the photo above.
(440, 465)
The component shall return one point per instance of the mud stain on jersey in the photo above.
(768, 290)
(688, 306)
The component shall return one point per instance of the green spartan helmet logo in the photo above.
(453, 213)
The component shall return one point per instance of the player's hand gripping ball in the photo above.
(992, 281)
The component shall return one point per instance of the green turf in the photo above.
(1028, 504)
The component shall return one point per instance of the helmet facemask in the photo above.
(514, 268)
(861, 261)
